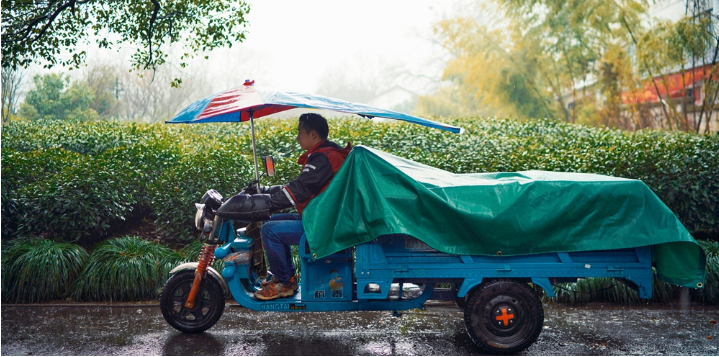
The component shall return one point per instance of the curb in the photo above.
(129, 304)
(82, 305)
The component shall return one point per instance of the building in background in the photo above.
(683, 89)
(680, 92)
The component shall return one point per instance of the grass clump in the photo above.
(125, 269)
(39, 270)
(710, 293)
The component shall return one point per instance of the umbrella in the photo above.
(246, 102)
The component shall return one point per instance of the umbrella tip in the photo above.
(249, 82)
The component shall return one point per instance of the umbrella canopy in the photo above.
(247, 101)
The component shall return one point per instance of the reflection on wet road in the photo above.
(587, 330)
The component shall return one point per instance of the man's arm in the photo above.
(315, 175)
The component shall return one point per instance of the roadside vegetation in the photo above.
(39, 270)
(124, 192)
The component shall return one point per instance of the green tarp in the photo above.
(375, 193)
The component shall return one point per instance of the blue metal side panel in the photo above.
(242, 294)
(328, 279)
(241, 291)
(402, 257)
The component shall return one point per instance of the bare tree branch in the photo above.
(149, 32)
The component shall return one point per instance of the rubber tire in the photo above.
(213, 301)
(489, 298)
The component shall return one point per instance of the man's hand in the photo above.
(270, 189)
(246, 207)
(263, 189)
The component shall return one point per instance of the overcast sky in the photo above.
(298, 45)
(301, 40)
(293, 44)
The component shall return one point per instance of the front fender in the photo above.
(210, 270)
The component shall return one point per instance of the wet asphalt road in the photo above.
(587, 330)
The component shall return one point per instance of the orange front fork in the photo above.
(207, 257)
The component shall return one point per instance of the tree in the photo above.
(35, 31)
(11, 82)
(528, 57)
(587, 61)
(104, 83)
(55, 98)
(450, 101)
(145, 99)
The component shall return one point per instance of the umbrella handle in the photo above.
(254, 148)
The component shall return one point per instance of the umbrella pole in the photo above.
(254, 149)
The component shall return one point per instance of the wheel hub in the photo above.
(199, 310)
(502, 315)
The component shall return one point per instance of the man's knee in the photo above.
(266, 230)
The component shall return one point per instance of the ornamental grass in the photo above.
(39, 270)
(125, 269)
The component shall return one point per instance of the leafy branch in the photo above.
(48, 32)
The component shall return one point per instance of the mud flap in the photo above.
(259, 265)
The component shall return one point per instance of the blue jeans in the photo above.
(278, 234)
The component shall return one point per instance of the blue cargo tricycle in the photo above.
(441, 232)
(500, 295)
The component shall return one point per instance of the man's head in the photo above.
(311, 130)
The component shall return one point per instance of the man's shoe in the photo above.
(266, 283)
(274, 280)
(274, 291)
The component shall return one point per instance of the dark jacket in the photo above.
(319, 166)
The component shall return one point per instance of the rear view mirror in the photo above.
(270, 166)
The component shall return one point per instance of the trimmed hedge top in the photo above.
(79, 180)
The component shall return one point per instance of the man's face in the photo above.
(306, 140)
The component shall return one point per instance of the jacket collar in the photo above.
(303, 158)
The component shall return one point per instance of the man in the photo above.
(320, 163)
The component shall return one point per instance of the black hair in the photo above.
(316, 122)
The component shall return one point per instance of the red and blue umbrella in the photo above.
(247, 101)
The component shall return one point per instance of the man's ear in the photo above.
(313, 134)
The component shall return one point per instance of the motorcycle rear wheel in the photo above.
(504, 317)
(209, 303)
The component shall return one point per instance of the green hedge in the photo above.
(78, 181)
(23, 168)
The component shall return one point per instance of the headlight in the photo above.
(212, 199)
(199, 216)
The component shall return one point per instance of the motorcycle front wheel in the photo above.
(209, 303)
